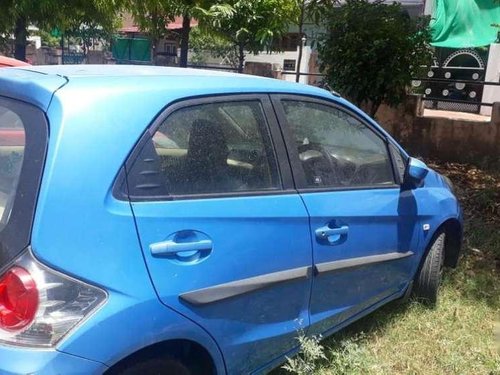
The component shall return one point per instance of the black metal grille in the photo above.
(451, 106)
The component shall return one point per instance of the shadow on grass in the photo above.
(475, 279)
(478, 275)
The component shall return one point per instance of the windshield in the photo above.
(12, 143)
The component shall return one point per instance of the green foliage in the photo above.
(64, 15)
(251, 25)
(313, 10)
(371, 51)
(17, 15)
(306, 362)
(202, 42)
(349, 356)
(152, 16)
(49, 40)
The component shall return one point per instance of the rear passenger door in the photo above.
(363, 225)
(224, 234)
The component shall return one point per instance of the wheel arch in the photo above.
(190, 353)
(452, 227)
(453, 241)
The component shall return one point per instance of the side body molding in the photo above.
(223, 291)
(361, 261)
(235, 288)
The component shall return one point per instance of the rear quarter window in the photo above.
(23, 141)
(12, 145)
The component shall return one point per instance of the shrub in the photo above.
(370, 51)
(310, 352)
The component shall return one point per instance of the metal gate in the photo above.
(441, 89)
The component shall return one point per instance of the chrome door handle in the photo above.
(326, 233)
(170, 247)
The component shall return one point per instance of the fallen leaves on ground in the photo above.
(477, 189)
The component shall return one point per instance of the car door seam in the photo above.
(132, 211)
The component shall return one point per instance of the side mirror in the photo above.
(416, 171)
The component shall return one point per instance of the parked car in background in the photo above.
(6, 62)
(183, 221)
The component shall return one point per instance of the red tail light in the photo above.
(18, 299)
(39, 306)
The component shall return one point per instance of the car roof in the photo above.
(37, 84)
(72, 71)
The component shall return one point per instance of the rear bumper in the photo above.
(17, 361)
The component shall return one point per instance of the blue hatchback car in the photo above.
(176, 221)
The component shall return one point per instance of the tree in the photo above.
(313, 10)
(371, 51)
(251, 25)
(17, 15)
(302, 6)
(152, 17)
(188, 9)
(202, 41)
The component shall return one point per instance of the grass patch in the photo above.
(456, 337)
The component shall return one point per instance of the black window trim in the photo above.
(399, 179)
(16, 235)
(297, 171)
(286, 185)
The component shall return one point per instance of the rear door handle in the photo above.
(186, 248)
(332, 235)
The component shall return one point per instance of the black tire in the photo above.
(155, 366)
(427, 282)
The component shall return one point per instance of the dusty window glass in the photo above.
(216, 148)
(12, 144)
(336, 149)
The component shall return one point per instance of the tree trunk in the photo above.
(241, 58)
(154, 53)
(374, 108)
(154, 37)
(301, 44)
(186, 29)
(61, 44)
(21, 36)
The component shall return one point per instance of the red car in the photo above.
(7, 62)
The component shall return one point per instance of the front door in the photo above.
(363, 227)
(224, 234)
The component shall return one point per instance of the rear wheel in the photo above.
(154, 366)
(426, 285)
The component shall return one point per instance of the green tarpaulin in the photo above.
(465, 23)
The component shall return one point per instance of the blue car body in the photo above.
(265, 276)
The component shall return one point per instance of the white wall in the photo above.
(491, 94)
(429, 7)
(277, 58)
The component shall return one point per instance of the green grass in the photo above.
(457, 336)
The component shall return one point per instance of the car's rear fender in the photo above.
(125, 325)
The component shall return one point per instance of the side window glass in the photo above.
(216, 148)
(336, 149)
